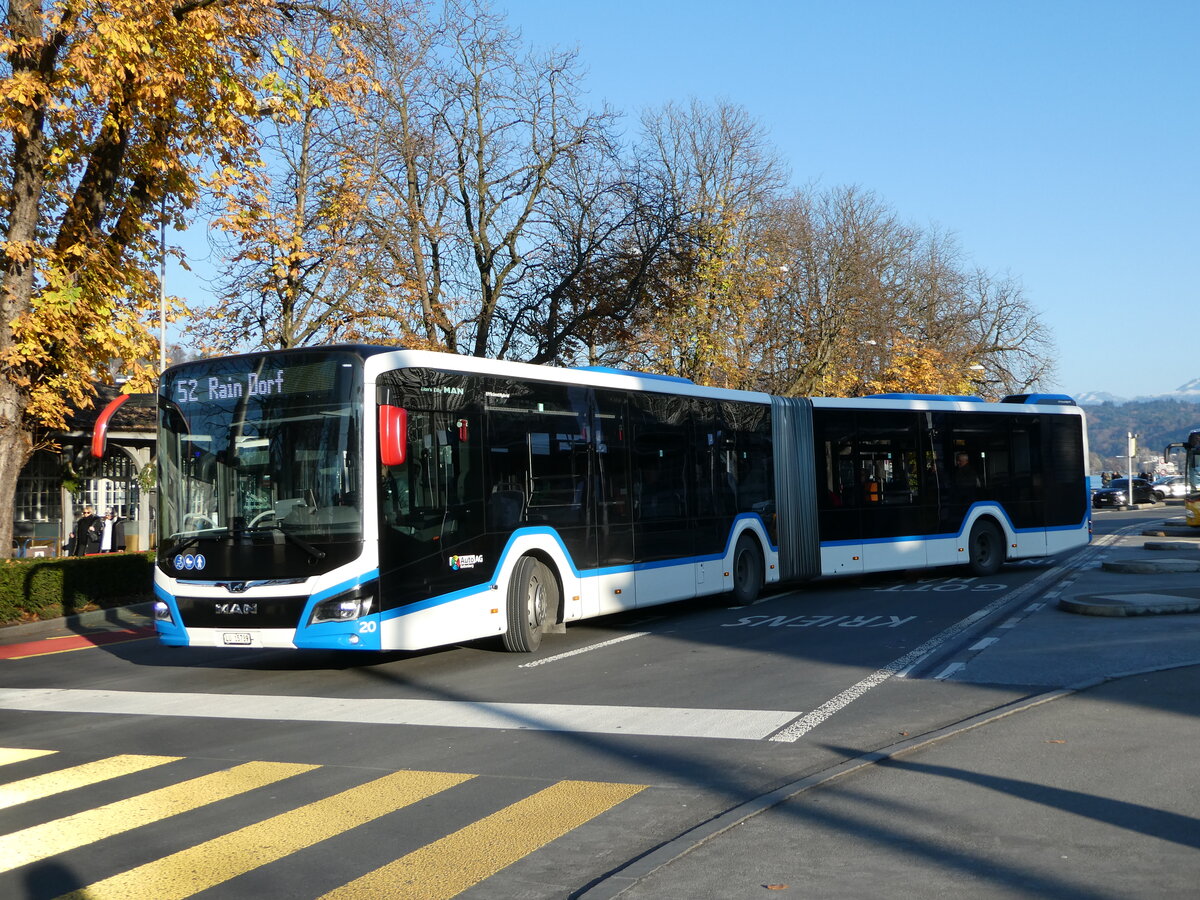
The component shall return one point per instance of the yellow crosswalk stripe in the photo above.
(213, 862)
(51, 783)
(13, 755)
(449, 866)
(52, 838)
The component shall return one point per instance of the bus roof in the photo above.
(378, 359)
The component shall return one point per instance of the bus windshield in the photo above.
(260, 451)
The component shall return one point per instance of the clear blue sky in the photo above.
(1059, 141)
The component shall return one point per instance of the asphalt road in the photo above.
(468, 771)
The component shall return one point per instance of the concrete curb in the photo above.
(1151, 566)
(1146, 603)
(1131, 605)
(1172, 528)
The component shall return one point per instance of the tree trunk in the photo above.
(16, 446)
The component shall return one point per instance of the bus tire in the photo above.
(985, 548)
(747, 571)
(532, 600)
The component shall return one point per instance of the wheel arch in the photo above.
(547, 547)
(547, 559)
(995, 515)
(977, 539)
(755, 527)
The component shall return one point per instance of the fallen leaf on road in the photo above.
(1055, 742)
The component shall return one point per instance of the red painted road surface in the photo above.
(68, 642)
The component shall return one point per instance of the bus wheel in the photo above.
(747, 571)
(985, 548)
(532, 600)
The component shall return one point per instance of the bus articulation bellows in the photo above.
(371, 498)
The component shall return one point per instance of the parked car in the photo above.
(1169, 486)
(1117, 493)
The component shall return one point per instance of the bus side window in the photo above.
(658, 498)
(506, 506)
(394, 493)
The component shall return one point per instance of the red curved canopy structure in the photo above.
(100, 434)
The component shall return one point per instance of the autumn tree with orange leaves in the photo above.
(108, 111)
(866, 303)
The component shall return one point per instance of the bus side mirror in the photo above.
(393, 435)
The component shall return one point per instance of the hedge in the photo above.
(32, 589)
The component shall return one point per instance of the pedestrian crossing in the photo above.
(39, 786)
(67, 831)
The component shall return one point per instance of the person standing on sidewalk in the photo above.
(86, 539)
(112, 536)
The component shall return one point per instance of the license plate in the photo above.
(238, 638)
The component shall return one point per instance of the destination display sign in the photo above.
(191, 386)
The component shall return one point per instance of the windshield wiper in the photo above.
(314, 552)
(195, 538)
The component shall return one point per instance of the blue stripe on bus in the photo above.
(957, 534)
(172, 633)
(431, 602)
(312, 634)
(653, 376)
(636, 567)
(440, 599)
(350, 584)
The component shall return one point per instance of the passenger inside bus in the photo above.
(966, 477)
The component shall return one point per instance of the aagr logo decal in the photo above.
(465, 562)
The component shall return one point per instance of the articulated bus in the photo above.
(1191, 475)
(382, 499)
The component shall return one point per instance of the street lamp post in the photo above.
(1131, 449)
(977, 378)
(162, 287)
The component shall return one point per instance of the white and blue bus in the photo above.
(381, 499)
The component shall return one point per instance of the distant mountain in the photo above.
(1095, 398)
(1158, 422)
(1187, 393)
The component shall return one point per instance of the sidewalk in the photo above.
(97, 622)
(1087, 790)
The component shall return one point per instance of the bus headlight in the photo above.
(343, 608)
(162, 612)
